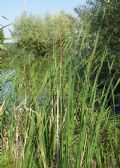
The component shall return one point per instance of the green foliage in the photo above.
(53, 112)
(38, 34)
(104, 17)
(102, 20)
(1, 35)
(55, 118)
(109, 23)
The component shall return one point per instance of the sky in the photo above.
(12, 9)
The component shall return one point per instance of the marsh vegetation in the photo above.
(59, 92)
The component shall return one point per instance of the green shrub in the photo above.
(38, 34)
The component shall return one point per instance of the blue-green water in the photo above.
(8, 92)
(6, 83)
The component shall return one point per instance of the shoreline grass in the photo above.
(59, 118)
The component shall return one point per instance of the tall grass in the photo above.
(58, 118)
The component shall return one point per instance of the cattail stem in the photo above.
(61, 54)
(57, 131)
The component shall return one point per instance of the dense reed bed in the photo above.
(53, 113)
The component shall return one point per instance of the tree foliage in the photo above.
(109, 23)
(37, 34)
(104, 15)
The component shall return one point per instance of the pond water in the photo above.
(6, 82)
(7, 90)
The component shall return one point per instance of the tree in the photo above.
(103, 15)
(109, 23)
(37, 34)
